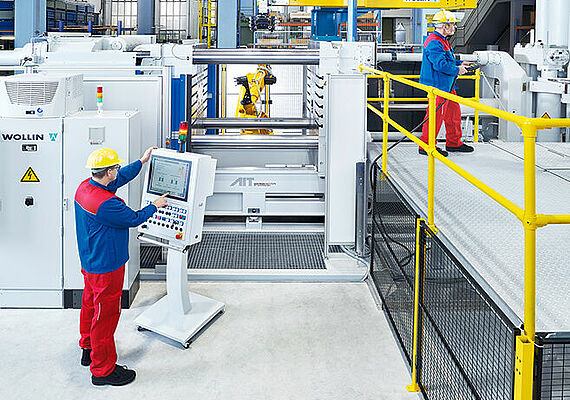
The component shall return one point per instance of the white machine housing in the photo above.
(508, 82)
(181, 221)
(41, 95)
(84, 133)
(37, 239)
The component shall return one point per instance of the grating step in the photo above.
(258, 250)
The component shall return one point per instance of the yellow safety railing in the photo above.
(476, 78)
(524, 361)
(207, 18)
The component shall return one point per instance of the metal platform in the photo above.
(265, 256)
(488, 237)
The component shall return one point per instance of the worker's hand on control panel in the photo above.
(462, 70)
(146, 155)
(161, 201)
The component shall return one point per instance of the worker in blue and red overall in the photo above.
(439, 69)
(102, 222)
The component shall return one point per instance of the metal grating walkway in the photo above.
(258, 250)
(487, 236)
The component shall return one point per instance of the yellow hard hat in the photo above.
(103, 158)
(444, 16)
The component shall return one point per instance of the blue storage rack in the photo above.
(6, 18)
(71, 13)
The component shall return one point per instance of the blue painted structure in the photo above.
(212, 97)
(72, 14)
(325, 22)
(6, 18)
(351, 25)
(248, 7)
(177, 105)
(29, 16)
(228, 24)
(145, 17)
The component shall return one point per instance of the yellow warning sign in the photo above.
(30, 176)
(545, 115)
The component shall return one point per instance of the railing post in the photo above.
(414, 387)
(529, 137)
(478, 98)
(524, 361)
(385, 125)
(431, 158)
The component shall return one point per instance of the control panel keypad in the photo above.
(172, 218)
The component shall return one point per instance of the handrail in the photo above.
(476, 78)
(523, 388)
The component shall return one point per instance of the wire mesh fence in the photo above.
(392, 264)
(553, 367)
(466, 345)
(468, 328)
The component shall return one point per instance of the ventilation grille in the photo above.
(31, 93)
(77, 86)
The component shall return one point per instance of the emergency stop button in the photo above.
(179, 235)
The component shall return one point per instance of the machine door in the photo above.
(30, 204)
(84, 133)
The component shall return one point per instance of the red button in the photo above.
(178, 236)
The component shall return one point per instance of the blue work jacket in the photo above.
(439, 66)
(102, 222)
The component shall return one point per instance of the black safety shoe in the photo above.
(86, 357)
(119, 377)
(440, 151)
(461, 149)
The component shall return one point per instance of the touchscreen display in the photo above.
(168, 175)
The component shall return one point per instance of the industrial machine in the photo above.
(267, 186)
(188, 179)
(546, 62)
(45, 138)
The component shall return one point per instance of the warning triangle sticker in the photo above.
(545, 115)
(30, 176)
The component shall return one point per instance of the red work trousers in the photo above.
(450, 113)
(100, 311)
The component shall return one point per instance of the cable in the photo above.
(493, 91)
(174, 54)
(362, 259)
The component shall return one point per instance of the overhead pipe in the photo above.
(304, 57)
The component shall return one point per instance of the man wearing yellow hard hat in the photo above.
(439, 69)
(102, 222)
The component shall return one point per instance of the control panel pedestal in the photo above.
(181, 314)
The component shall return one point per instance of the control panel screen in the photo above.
(169, 175)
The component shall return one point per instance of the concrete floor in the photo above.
(275, 341)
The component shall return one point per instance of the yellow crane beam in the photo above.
(448, 4)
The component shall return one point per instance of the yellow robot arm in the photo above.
(252, 85)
